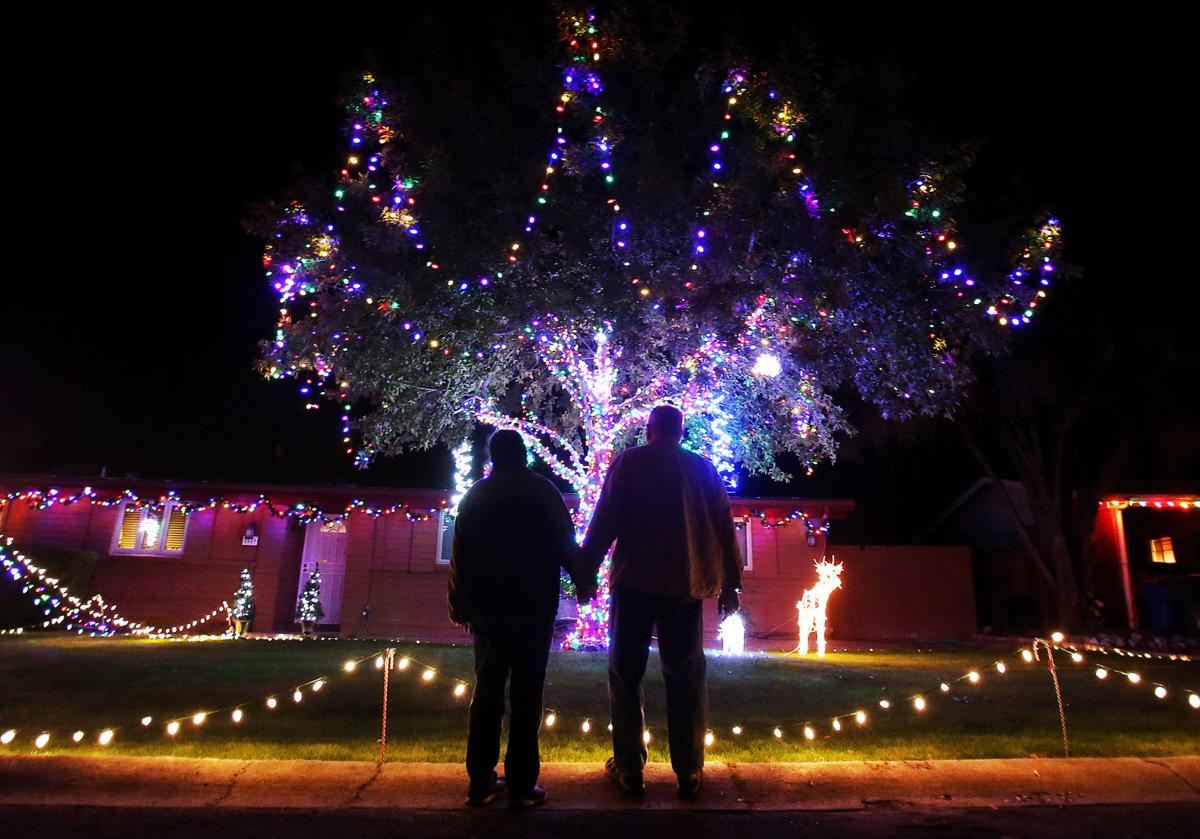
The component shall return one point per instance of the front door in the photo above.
(325, 551)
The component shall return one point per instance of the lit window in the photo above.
(445, 540)
(1162, 551)
(144, 530)
(745, 543)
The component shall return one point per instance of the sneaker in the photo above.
(486, 797)
(627, 782)
(535, 797)
(689, 784)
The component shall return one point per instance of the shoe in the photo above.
(535, 797)
(627, 782)
(482, 799)
(689, 784)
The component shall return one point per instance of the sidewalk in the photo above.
(54, 780)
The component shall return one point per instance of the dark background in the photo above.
(132, 299)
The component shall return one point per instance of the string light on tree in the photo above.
(572, 326)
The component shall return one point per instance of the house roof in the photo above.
(833, 508)
(1015, 490)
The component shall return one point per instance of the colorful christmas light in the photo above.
(750, 391)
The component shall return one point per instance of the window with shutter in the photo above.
(147, 531)
(744, 541)
(176, 529)
(129, 523)
(445, 538)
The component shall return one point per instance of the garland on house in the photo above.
(307, 512)
(1184, 504)
(304, 512)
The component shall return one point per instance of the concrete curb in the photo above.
(55, 780)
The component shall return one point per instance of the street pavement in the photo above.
(51, 795)
(1146, 821)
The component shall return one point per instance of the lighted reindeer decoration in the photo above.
(811, 605)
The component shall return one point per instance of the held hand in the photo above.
(728, 602)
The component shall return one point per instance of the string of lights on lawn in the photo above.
(304, 512)
(427, 674)
(236, 714)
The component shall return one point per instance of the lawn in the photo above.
(60, 684)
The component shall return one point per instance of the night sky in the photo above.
(133, 300)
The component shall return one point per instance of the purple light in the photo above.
(714, 148)
(716, 166)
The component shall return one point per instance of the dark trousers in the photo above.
(516, 652)
(680, 624)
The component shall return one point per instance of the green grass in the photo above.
(59, 684)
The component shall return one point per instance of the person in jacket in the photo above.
(512, 534)
(667, 510)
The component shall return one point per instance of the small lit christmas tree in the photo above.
(243, 605)
(308, 610)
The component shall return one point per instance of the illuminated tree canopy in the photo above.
(711, 244)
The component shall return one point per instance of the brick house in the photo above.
(384, 553)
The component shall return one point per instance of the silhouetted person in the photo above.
(512, 534)
(676, 545)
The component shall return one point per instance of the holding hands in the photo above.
(584, 578)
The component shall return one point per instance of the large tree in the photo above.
(705, 238)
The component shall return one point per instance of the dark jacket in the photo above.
(668, 511)
(512, 534)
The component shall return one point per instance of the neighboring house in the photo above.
(1010, 597)
(1145, 548)
(1149, 549)
(170, 551)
